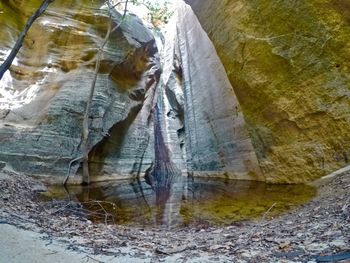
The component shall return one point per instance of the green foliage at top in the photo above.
(159, 13)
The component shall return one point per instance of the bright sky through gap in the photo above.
(143, 12)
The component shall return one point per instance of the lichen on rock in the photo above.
(288, 62)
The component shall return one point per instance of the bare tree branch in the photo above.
(69, 168)
(85, 133)
(8, 62)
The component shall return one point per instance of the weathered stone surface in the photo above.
(288, 62)
(47, 87)
(216, 137)
(199, 118)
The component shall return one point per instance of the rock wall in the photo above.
(217, 141)
(284, 108)
(44, 94)
(288, 63)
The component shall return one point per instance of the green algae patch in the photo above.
(230, 201)
(190, 202)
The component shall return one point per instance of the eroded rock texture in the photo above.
(216, 136)
(288, 62)
(47, 88)
(284, 108)
(167, 108)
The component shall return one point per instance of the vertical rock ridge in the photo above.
(216, 137)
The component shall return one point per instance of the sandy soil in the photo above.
(32, 231)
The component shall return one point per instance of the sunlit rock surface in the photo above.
(43, 96)
(288, 62)
(40, 134)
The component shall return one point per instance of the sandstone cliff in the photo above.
(288, 62)
(44, 95)
(198, 121)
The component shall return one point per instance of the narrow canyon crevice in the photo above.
(170, 107)
(215, 120)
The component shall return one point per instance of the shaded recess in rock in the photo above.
(111, 144)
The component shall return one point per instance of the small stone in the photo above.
(255, 239)
(217, 231)
(284, 245)
(317, 208)
(39, 188)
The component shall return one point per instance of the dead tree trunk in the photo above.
(85, 133)
(8, 62)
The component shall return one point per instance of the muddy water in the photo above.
(190, 201)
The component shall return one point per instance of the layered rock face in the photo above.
(48, 85)
(217, 139)
(141, 88)
(288, 63)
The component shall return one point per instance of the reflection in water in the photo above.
(164, 176)
(190, 201)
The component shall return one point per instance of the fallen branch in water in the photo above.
(268, 211)
(69, 168)
(106, 213)
(86, 210)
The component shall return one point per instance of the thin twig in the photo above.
(106, 213)
(268, 211)
(99, 261)
(8, 62)
(259, 224)
(123, 17)
(69, 168)
(22, 218)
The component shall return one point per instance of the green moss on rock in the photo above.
(288, 62)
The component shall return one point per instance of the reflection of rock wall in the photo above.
(288, 62)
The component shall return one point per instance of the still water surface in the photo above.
(189, 202)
